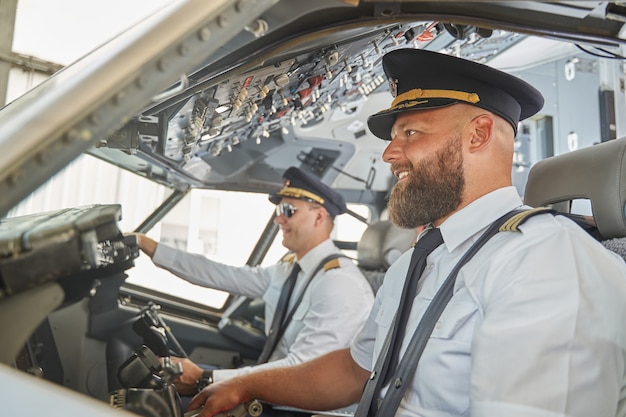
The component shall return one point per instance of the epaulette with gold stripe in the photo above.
(512, 224)
(332, 264)
(289, 258)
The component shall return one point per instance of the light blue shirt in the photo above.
(536, 326)
(332, 311)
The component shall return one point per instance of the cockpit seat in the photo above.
(380, 245)
(597, 174)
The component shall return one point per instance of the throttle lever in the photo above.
(154, 337)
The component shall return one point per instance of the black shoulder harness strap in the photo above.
(289, 315)
(406, 368)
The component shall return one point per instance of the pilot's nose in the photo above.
(392, 152)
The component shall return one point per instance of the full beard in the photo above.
(433, 189)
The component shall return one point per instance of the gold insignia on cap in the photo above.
(393, 86)
(294, 192)
(409, 104)
(418, 93)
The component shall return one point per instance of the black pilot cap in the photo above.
(303, 186)
(420, 79)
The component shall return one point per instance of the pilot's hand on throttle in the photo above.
(220, 397)
(187, 382)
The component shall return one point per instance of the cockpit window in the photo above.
(222, 226)
(88, 180)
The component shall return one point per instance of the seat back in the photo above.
(380, 245)
(596, 173)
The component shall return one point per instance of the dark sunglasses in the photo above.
(285, 209)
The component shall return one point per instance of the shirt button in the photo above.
(438, 324)
(373, 375)
(398, 382)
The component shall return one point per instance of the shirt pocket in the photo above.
(385, 316)
(296, 324)
(384, 321)
(457, 321)
(271, 296)
(302, 309)
(447, 360)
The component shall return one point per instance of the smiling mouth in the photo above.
(402, 175)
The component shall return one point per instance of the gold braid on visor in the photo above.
(300, 193)
(418, 93)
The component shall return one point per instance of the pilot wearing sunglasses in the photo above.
(329, 300)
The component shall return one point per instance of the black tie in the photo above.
(279, 315)
(424, 246)
(387, 362)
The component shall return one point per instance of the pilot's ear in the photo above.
(320, 215)
(482, 128)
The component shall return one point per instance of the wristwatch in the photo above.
(205, 380)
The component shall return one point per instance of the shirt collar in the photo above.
(477, 215)
(312, 258)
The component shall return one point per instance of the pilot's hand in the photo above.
(146, 244)
(220, 397)
(187, 382)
